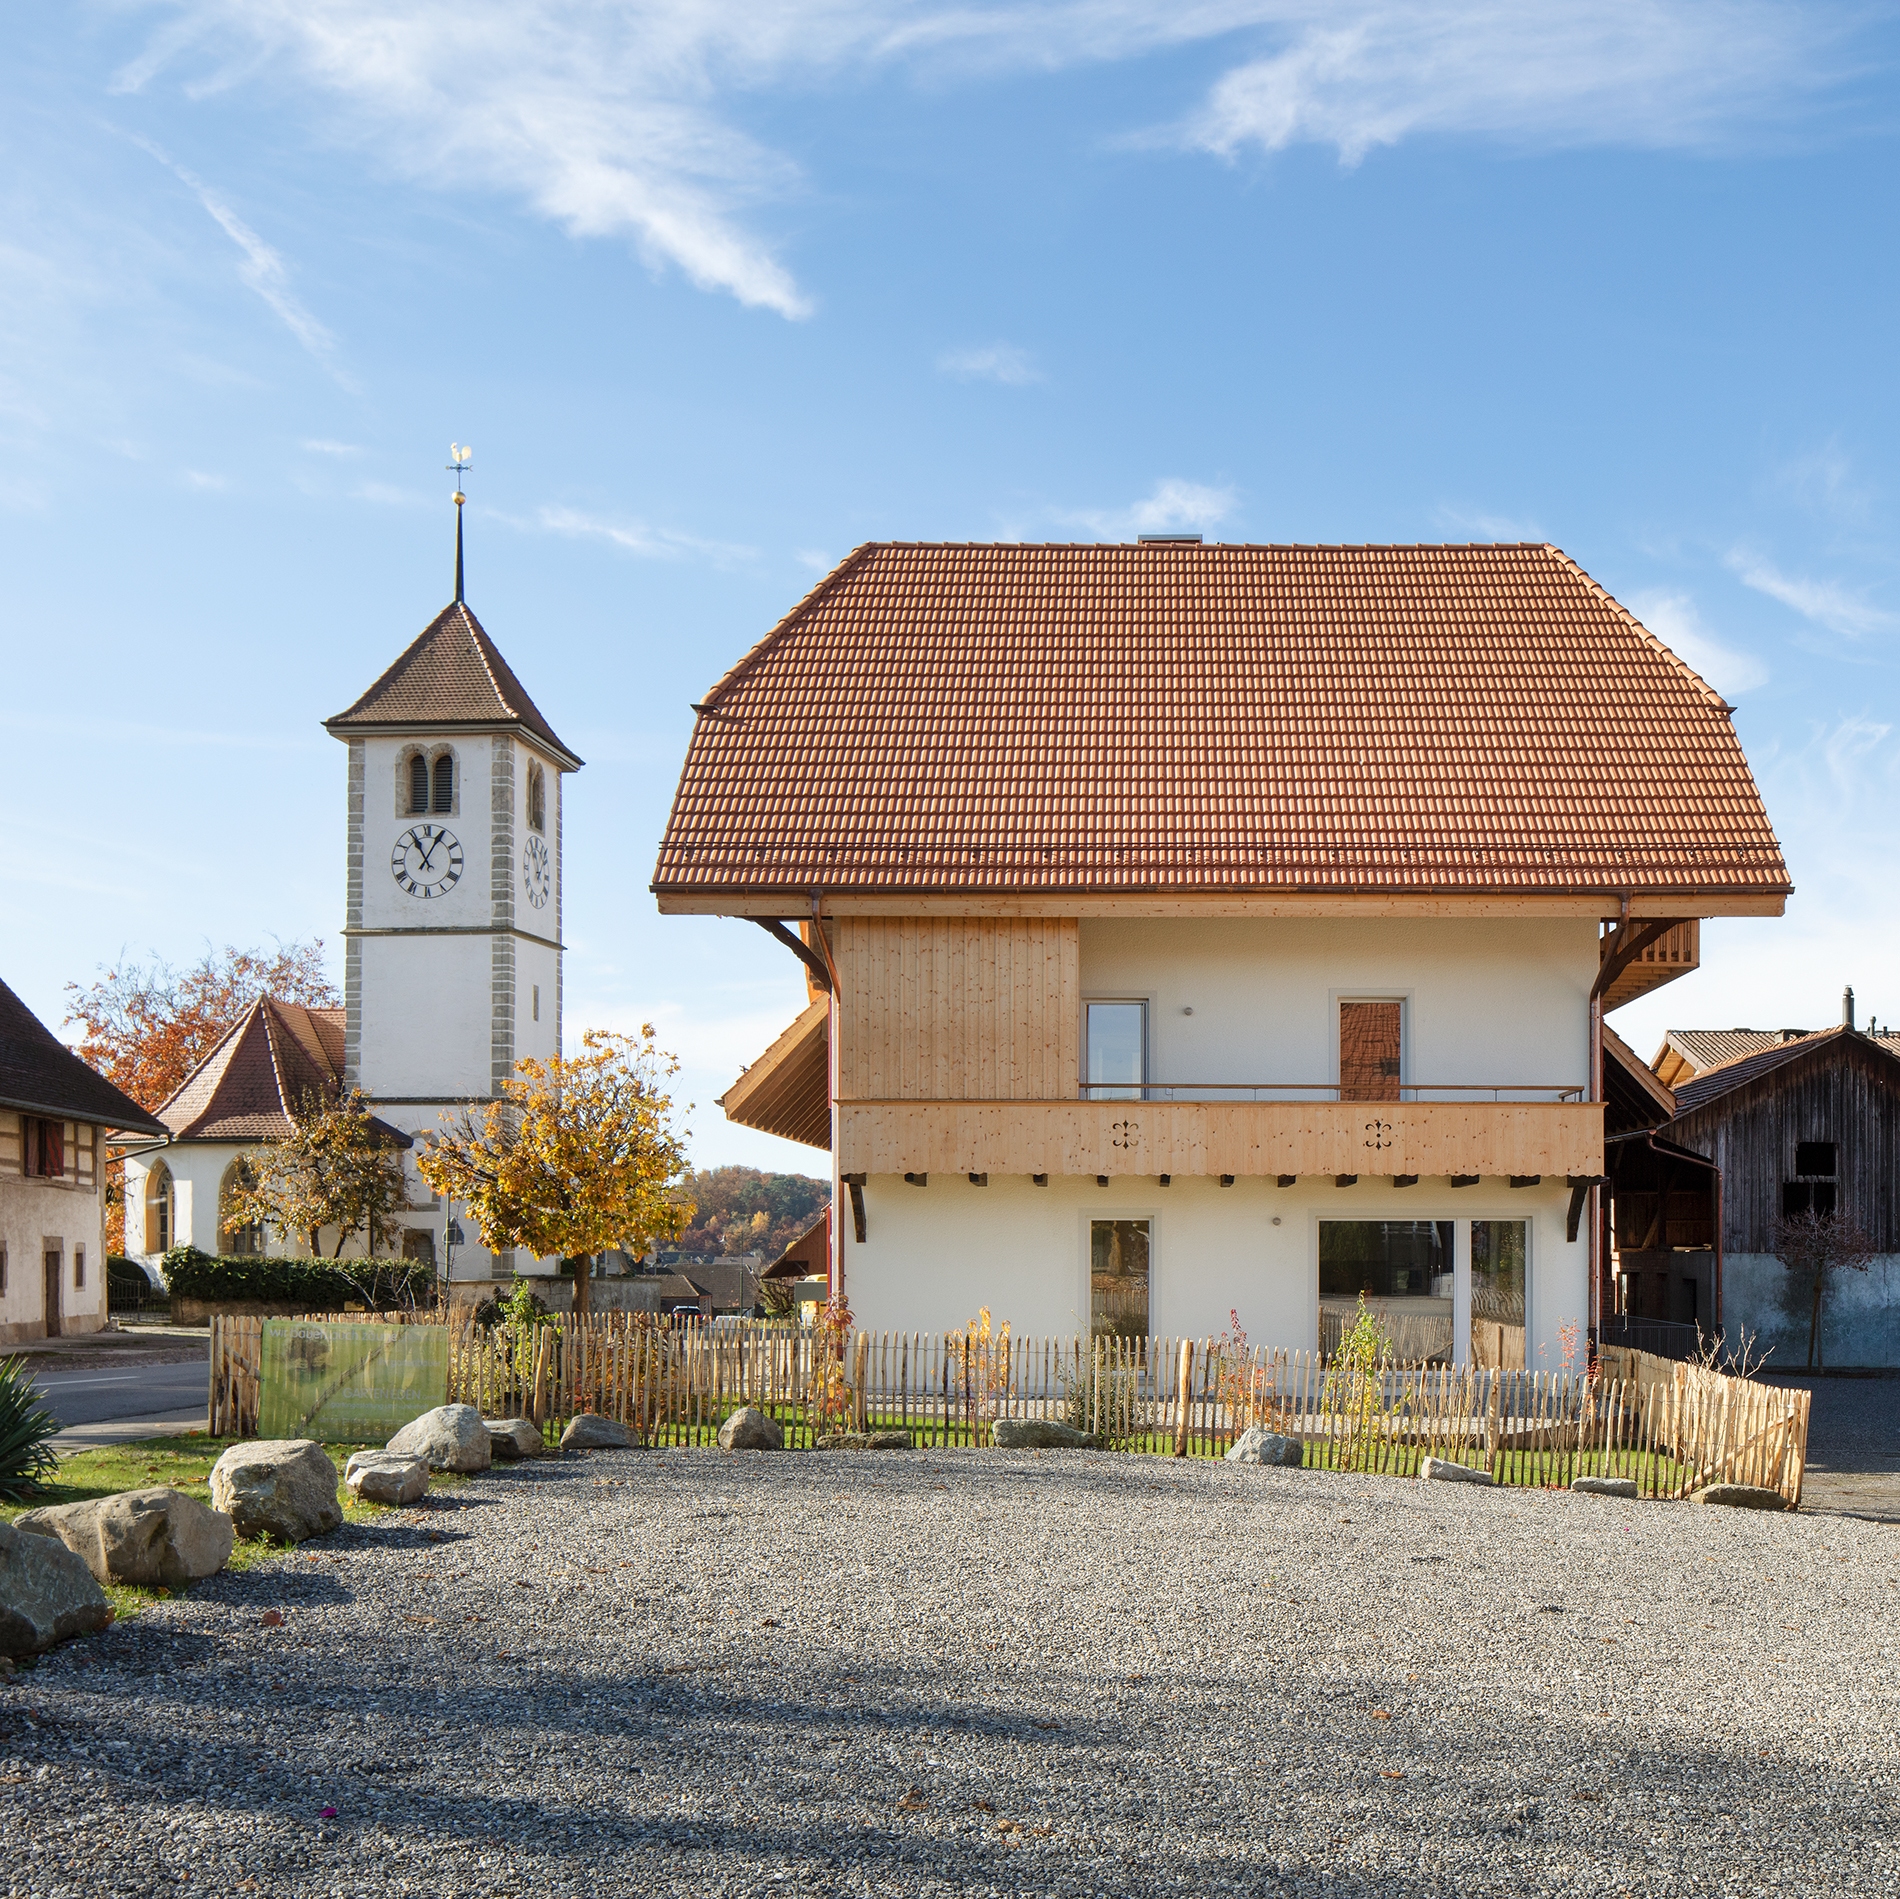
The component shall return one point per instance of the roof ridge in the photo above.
(478, 638)
(1616, 606)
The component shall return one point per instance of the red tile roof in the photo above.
(40, 1075)
(1187, 718)
(451, 676)
(251, 1086)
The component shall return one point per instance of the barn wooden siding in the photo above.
(1847, 1092)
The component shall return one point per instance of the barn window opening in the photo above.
(418, 784)
(445, 783)
(1815, 1187)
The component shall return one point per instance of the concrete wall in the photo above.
(933, 1255)
(1487, 1000)
(1860, 1314)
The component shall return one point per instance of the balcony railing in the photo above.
(1448, 1091)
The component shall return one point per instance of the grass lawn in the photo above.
(184, 1463)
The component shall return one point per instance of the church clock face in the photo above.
(535, 880)
(426, 861)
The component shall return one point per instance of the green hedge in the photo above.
(313, 1285)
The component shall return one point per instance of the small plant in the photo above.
(26, 1433)
(987, 1372)
(1355, 1384)
(1245, 1390)
(829, 1399)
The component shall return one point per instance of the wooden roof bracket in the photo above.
(1630, 939)
(824, 944)
(805, 954)
(1580, 1185)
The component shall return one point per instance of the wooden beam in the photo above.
(857, 1208)
(1289, 1180)
(805, 954)
(1405, 1180)
(1525, 1180)
(1345, 1180)
(1465, 1180)
(1624, 944)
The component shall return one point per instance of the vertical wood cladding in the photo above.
(958, 1009)
(1847, 1092)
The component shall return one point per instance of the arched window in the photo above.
(445, 782)
(158, 1209)
(537, 799)
(418, 783)
(241, 1240)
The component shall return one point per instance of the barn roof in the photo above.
(1712, 1083)
(1455, 720)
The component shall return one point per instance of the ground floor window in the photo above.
(1119, 1257)
(1403, 1270)
(1497, 1270)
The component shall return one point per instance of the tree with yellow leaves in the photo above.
(578, 1156)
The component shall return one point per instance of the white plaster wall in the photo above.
(32, 1211)
(933, 1255)
(385, 904)
(428, 1015)
(1487, 1000)
(535, 963)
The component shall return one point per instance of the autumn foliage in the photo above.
(337, 1169)
(146, 1026)
(581, 1155)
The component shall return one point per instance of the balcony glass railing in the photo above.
(1442, 1091)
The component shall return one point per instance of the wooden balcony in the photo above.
(1369, 1138)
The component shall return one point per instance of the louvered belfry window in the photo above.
(445, 783)
(418, 783)
(1369, 1051)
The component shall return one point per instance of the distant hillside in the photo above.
(741, 1210)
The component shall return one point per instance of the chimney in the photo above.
(1847, 1007)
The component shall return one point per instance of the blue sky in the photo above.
(719, 290)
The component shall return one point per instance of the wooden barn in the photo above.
(1812, 1122)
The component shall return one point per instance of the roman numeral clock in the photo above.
(427, 860)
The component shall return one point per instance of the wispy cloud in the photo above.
(263, 269)
(636, 537)
(618, 119)
(992, 362)
(814, 558)
(1828, 604)
(1672, 617)
(1171, 507)
(198, 479)
(387, 495)
(1481, 526)
(331, 448)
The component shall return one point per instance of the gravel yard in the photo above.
(681, 1672)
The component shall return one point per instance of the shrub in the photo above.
(26, 1430)
(127, 1280)
(314, 1285)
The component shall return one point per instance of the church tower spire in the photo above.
(461, 460)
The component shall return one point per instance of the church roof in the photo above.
(451, 676)
(39, 1074)
(270, 1061)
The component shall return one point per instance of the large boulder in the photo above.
(383, 1477)
(589, 1431)
(1441, 1470)
(1741, 1496)
(1039, 1434)
(47, 1594)
(451, 1437)
(1624, 1487)
(510, 1438)
(1257, 1445)
(277, 1487)
(749, 1429)
(158, 1538)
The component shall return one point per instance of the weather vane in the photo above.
(461, 460)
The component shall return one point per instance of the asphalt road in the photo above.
(99, 1392)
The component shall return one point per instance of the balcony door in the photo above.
(1370, 1036)
(1117, 1050)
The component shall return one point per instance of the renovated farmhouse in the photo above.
(1195, 929)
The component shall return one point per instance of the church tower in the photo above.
(452, 944)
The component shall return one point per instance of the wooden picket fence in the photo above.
(1671, 1427)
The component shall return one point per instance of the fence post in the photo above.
(1181, 1388)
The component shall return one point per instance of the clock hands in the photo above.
(430, 852)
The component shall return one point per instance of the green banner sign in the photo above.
(349, 1384)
